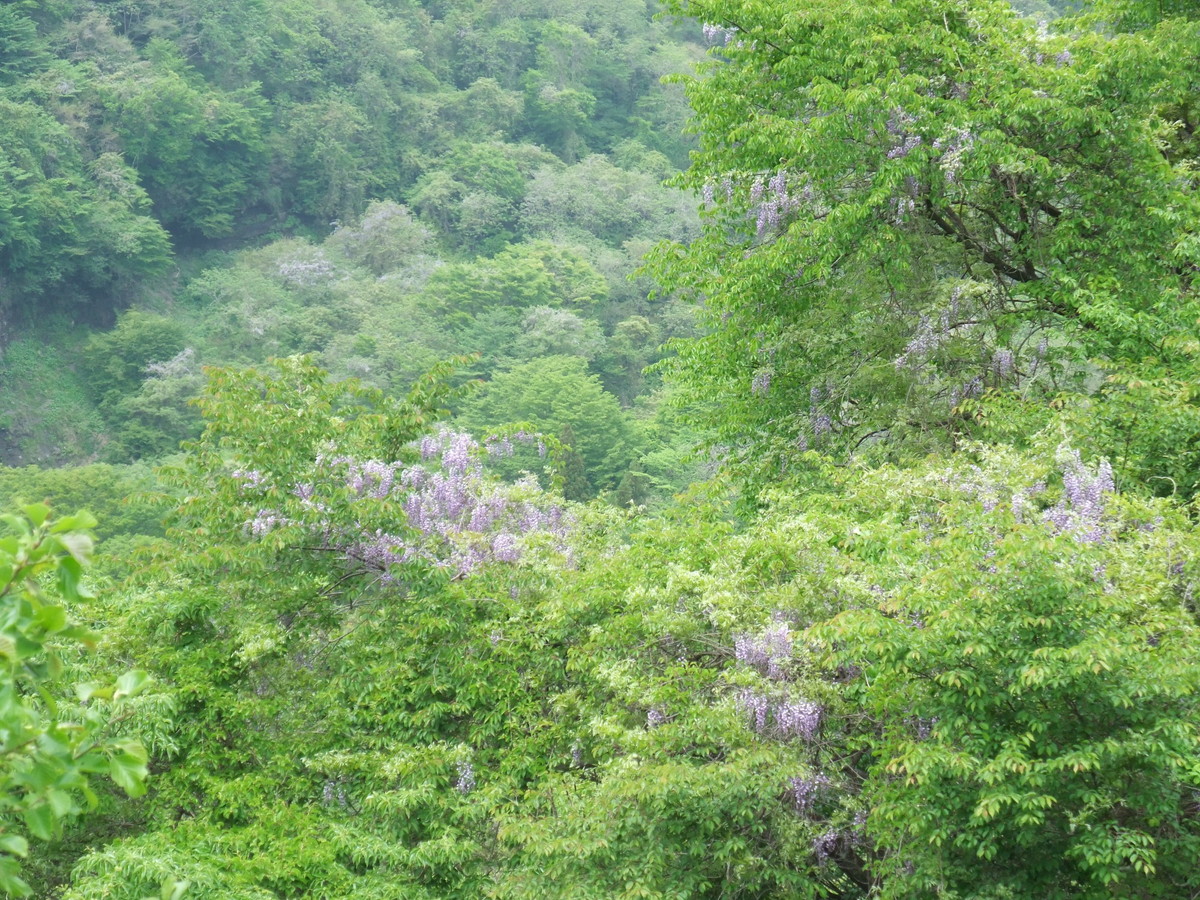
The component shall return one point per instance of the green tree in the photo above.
(21, 49)
(1029, 671)
(116, 360)
(910, 204)
(51, 751)
(198, 151)
(554, 393)
(81, 230)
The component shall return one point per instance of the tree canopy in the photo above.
(845, 549)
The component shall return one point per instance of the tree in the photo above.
(198, 151)
(383, 240)
(51, 751)
(911, 204)
(21, 50)
(116, 360)
(1029, 670)
(551, 394)
(534, 274)
(351, 538)
(81, 229)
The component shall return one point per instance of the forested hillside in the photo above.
(731, 449)
(383, 186)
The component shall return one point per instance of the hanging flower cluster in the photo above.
(447, 512)
(775, 713)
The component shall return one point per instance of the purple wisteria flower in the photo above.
(899, 129)
(775, 201)
(717, 34)
(266, 521)
(1083, 504)
(250, 479)
(457, 518)
(1003, 362)
(757, 705)
(825, 846)
(806, 791)
(505, 549)
(953, 149)
(768, 651)
(965, 391)
(760, 384)
(787, 718)
(799, 718)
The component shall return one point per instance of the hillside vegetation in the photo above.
(481, 516)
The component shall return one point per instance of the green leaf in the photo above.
(52, 618)
(131, 684)
(37, 513)
(127, 767)
(40, 819)
(14, 845)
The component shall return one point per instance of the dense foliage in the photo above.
(435, 603)
(914, 206)
(52, 746)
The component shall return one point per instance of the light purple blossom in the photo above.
(923, 728)
(825, 846)
(767, 652)
(1082, 506)
(459, 518)
(953, 150)
(760, 384)
(251, 479)
(504, 548)
(965, 391)
(899, 128)
(799, 718)
(806, 791)
(782, 719)
(906, 146)
(775, 201)
(756, 705)
(498, 447)
(1003, 362)
(926, 340)
(717, 34)
(333, 794)
(265, 522)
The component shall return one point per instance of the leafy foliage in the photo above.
(913, 204)
(922, 619)
(51, 750)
